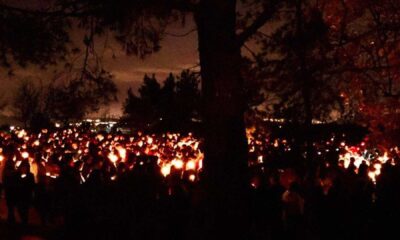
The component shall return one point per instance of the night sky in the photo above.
(176, 54)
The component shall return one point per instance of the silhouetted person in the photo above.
(10, 184)
(274, 206)
(293, 205)
(361, 204)
(2, 165)
(42, 196)
(387, 200)
(352, 167)
(25, 184)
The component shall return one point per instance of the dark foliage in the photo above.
(170, 107)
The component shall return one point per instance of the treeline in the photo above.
(173, 104)
(63, 99)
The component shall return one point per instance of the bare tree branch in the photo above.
(63, 12)
(182, 34)
(260, 21)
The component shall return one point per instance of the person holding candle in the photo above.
(25, 187)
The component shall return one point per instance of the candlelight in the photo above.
(25, 155)
(21, 134)
(113, 158)
(192, 177)
(100, 137)
(384, 158)
(177, 163)
(191, 165)
(166, 170)
(122, 152)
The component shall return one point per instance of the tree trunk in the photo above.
(305, 77)
(225, 145)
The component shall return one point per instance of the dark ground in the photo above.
(32, 232)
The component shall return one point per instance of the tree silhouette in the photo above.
(145, 109)
(372, 70)
(26, 102)
(168, 98)
(27, 38)
(318, 60)
(222, 30)
(173, 105)
(133, 109)
(187, 97)
(37, 107)
(364, 37)
(78, 95)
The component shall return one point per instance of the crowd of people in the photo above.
(115, 186)
(60, 171)
(336, 203)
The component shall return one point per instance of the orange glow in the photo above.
(191, 165)
(36, 143)
(122, 152)
(177, 163)
(166, 170)
(192, 177)
(25, 155)
(172, 150)
(113, 158)
(100, 137)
